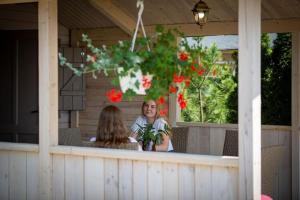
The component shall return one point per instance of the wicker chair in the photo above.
(179, 139)
(231, 143)
(69, 137)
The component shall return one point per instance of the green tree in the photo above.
(276, 80)
(209, 92)
(232, 100)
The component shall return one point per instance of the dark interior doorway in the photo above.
(19, 86)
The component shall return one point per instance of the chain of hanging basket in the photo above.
(140, 5)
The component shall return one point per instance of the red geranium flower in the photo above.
(182, 104)
(180, 97)
(177, 79)
(114, 95)
(161, 100)
(146, 82)
(183, 56)
(193, 68)
(187, 82)
(201, 72)
(172, 89)
(163, 112)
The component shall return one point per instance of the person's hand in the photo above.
(134, 135)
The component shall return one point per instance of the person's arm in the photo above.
(134, 128)
(164, 145)
(160, 125)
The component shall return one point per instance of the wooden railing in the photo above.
(93, 173)
(87, 173)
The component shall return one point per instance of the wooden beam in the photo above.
(17, 1)
(249, 95)
(48, 91)
(295, 114)
(211, 28)
(115, 14)
(231, 28)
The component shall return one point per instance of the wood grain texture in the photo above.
(58, 177)
(140, 180)
(48, 91)
(125, 179)
(186, 181)
(170, 181)
(249, 103)
(155, 181)
(295, 114)
(93, 178)
(4, 175)
(111, 179)
(74, 177)
(32, 176)
(17, 175)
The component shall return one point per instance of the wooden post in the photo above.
(48, 91)
(249, 99)
(174, 110)
(295, 113)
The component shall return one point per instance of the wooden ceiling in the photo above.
(75, 14)
(83, 14)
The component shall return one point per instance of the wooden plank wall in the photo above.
(276, 153)
(90, 173)
(19, 175)
(107, 178)
(106, 174)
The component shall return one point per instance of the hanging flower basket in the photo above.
(167, 68)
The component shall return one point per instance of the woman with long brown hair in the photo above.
(111, 131)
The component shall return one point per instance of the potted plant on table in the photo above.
(148, 137)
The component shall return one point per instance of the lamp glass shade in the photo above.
(200, 12)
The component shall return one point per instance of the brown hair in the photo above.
(111, 129)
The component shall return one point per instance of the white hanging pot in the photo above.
(129, 82)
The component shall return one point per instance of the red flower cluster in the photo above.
(161, 100)
(193, 68)
(201, 71)
(146, 82)
(114, 95)
(187, 82)
(177, 79)
(163, 112)
(182, 102)
(183, 56)
(172, 89)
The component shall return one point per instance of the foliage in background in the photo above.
(275, 83)
(232, 100)
(276, 80)
(208, 94)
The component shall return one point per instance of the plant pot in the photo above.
(148, 147)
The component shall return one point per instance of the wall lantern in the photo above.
(200, 12)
